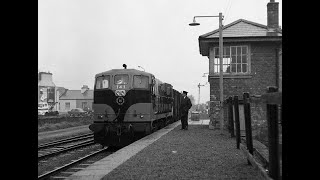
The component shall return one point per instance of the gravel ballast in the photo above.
(198, 153)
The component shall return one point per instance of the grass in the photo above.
(64, 123)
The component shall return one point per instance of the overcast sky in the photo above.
(80, 38)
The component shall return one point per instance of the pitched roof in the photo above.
(239, 31)
(61, 90)
(241, 28)
(77, 95)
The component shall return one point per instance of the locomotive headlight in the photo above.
(141, 116)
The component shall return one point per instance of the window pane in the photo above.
(233, 59)
(216, 52)
(99, 83)
(105, 83)
(239, 68)
(233, 68)
(226, 51)
(226, 60)
(244, 50)
(238, 50)
(244, 58)
(238, 59)
(244, 68)
(233, 51)
(121, 79)
(140, 81)
(228, 69)
(225, 68)
(216, 68)
(216, 61)
(102, 82)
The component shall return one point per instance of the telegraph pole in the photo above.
(221, 71)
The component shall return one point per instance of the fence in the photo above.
(263, 129)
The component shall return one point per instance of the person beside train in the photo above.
(184, 109)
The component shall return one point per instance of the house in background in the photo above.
(70, 99)
(47, 90)
(252, 58)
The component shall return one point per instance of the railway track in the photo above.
(57, 147)
(65, 169)
(66, 154)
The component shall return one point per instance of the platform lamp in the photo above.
(194, 23)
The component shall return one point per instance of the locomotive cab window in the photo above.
(140, 81)
(121, 79)
(102, 82)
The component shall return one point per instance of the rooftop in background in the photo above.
(245, 31)
(241, 28)
(239, 31)
(77, 95)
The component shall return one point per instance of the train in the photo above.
(130, 102)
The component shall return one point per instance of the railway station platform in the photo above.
(171, 153)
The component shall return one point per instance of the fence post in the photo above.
(247, 118)
(236, 114)
(272, 118)
(231, 116)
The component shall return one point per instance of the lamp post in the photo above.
(194, 23)
(199, 85)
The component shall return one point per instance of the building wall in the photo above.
(63, 105)
(264, 72)
(280, 69)
(89, 103)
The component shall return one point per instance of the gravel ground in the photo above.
(49, 164)
(199, 153)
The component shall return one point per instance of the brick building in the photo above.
(252, 57)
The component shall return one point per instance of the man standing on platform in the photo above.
(184, 109)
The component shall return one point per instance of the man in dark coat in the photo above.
(184, 109)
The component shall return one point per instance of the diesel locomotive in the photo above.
(128, 102)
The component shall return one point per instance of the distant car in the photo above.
(88, 110)
(43, 108)
(77, 112)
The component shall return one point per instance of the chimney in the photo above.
(45, 79)
(84, 88)
(273, 15)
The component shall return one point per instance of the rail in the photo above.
(273, 101)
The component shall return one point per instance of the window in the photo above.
(121, 79)
(102, 82)
(235, 60)
(67, 106)
(140, 81)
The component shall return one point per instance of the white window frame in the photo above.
(215, 62)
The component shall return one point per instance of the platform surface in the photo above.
(171, 153)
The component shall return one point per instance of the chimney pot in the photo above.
(273, 15)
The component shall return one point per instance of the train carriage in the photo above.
(129, 101)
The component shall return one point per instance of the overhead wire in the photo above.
(227, 9)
